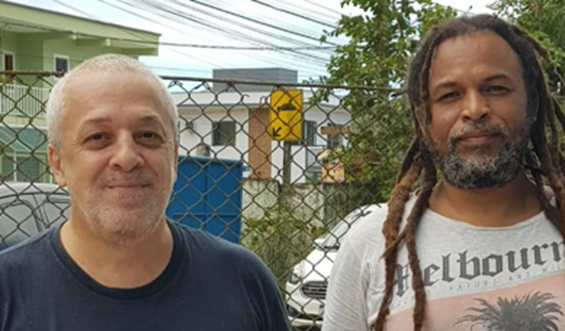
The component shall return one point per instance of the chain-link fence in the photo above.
(281, 169)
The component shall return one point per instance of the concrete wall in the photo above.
(253, 144)
(321, 205)
(69, 48)
(258, 196)
(9, 44)
(30, 55)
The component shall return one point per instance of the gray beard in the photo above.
(482, 170)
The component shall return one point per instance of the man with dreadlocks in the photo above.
(482, 247)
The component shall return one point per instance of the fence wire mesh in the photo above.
(283, 170)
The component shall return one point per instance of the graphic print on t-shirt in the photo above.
(514, 290)
(537, 311)
(534, 306)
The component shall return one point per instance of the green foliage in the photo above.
(543, 20)
(280, 240)
(382, 41)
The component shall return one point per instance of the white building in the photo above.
(233, 123)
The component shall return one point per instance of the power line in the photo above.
(259, 22)
(187, 45)
(302, 68)
(321, 60)
(254, 11)
(184, 54)
(209, 26)
(290, 12)
(323, 7)
(176, 13)
(249, 27)
(144, 17)
(310, 11)
(73, 8)
(307, 71)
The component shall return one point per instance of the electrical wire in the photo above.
(179, 17)
(173, 49)
(293, 13)
(304, 70)
(323, 7)
(175, 45)
(259, 22)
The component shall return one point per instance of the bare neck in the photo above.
(121, 265)
(495, 207)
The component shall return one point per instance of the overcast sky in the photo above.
(228, 23)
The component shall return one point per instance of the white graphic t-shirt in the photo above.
(476, 278)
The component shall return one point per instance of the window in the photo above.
(29, 169)
(335, 140)
(26, 168)
(8, 168)
(7, 64)
(223, 133)
(8, 60)
(61, 63)
(308, 134)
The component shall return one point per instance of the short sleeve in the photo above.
(346, 308)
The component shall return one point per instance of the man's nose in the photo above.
(127, 154)
(475, 106)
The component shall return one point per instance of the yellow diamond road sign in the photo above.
(286, 115)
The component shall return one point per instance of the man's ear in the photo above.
(176, 162)
(54, 159)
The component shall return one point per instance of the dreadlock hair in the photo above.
(544, 159)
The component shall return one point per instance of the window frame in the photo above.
(335, 140)
(63, 57)
(306, 135)
(9, 53)
(217, 134)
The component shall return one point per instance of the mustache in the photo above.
(139, 177)
(479, 126)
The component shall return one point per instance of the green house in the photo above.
(37, 40)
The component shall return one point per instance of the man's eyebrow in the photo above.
(500, 76)
(445, 84)
(94, 121)
(102, 120)
(449, 84)
(150, 119)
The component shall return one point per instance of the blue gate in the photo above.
(207, 196)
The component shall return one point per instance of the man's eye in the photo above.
(449, 95)
(148, 135)
(96, 137)
(496, 89)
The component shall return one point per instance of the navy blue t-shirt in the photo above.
(209, 284)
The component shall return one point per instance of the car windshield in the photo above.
(333, 239)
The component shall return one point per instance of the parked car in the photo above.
(27, 209)
(307, 283)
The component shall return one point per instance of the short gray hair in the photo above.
(55, 107)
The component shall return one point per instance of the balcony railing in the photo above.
(23, 101)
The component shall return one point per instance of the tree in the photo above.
(528, 313)
(381, 42)
(543, 20)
